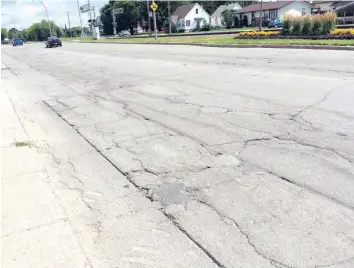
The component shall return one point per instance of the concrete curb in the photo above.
(315, 47)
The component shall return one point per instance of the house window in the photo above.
(303, 11)
(196, 11)
(188, 23)
(273, 14)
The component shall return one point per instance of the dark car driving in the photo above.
(17, 42)
(53, 41)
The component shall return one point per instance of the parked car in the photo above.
(5, 41)
(53, 41)
(276, 23)
(17, 42)
(138, 30)
(124, 33)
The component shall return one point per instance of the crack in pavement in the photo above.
(247, 237)
(146, 194)
(146, 190)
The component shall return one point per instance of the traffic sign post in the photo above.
(155, 25)
(154, 7)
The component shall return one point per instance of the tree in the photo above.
(40, 31)
(12, 33)
(228, 18)
(4, 34)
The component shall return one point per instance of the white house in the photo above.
(216, 18)
(250, 15)
(190, 17)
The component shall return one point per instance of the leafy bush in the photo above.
(306, 25)
(316, 24)
(287, 23)
(228, 18)
(297, 25)
(328, 21)
(206, 26)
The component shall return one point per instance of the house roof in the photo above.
(266, 6)
(349, 7)
(182, 11)
(234, 6)
(218, 11)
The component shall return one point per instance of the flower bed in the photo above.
(312, 37)
(335, 34)
(343, 32)
(260, 33)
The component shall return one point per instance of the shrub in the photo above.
(316, 24)
(297, 25)
(228, 18)
(206, 27)
(328, 21)
(306, 25)
(287, 23)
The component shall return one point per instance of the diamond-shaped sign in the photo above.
(154, 6)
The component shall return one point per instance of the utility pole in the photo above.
(114, 22)
(89, 6)
(148, 15)
(169, 17)
(71, 35)
(78, 8)
(261, 16)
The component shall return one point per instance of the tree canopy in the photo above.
(40, 31)
(4, 34)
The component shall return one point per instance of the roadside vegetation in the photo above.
(314, 27)
(223, 40)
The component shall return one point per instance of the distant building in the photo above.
(190, 17)
(345, 13)
(344, 10)
(216, 18)
(250, 15)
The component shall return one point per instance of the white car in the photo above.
(124, 33)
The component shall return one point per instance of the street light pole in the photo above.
(71, 35)
(46, 11)
(78, 7)
(13, 20)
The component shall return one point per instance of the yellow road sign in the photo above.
(154, 6)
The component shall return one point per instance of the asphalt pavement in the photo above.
(196, 156)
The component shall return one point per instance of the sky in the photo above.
(26, 12)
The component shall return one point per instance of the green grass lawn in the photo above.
(223, 40)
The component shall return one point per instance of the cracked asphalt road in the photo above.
(248, 152)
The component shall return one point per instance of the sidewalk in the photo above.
(64, 205)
